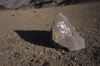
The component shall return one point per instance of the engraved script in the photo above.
(64, 29)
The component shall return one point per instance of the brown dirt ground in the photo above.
(25, 34)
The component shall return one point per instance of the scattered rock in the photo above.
(32, 60)
(13, 14)
(41, 53)
(63, 52)
(59, 57)
(64, 34)
(46, 64)
(31, 64)
(18, 55)
(75, 59)
(39, 60)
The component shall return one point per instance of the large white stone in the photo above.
(64, 34)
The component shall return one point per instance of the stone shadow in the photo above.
(41, 38)
(39, 5)
(67, 2)
(2, 7)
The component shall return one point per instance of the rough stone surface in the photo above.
(13, 3)
(64, 34)
(19, 3)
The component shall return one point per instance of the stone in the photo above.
(13, 3)
(64, 34)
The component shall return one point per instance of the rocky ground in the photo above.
(25, 35)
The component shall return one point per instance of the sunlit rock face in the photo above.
(64, 34)
(13, 3)
(18, 3)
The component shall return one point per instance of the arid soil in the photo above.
(25, 36)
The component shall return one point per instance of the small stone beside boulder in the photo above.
(64, 34)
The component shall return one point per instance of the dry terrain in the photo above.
(25, 35)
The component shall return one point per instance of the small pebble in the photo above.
(59, 57)
(75, 58)
(35, 11)
(13, 14)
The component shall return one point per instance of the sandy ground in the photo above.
(25, 34)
